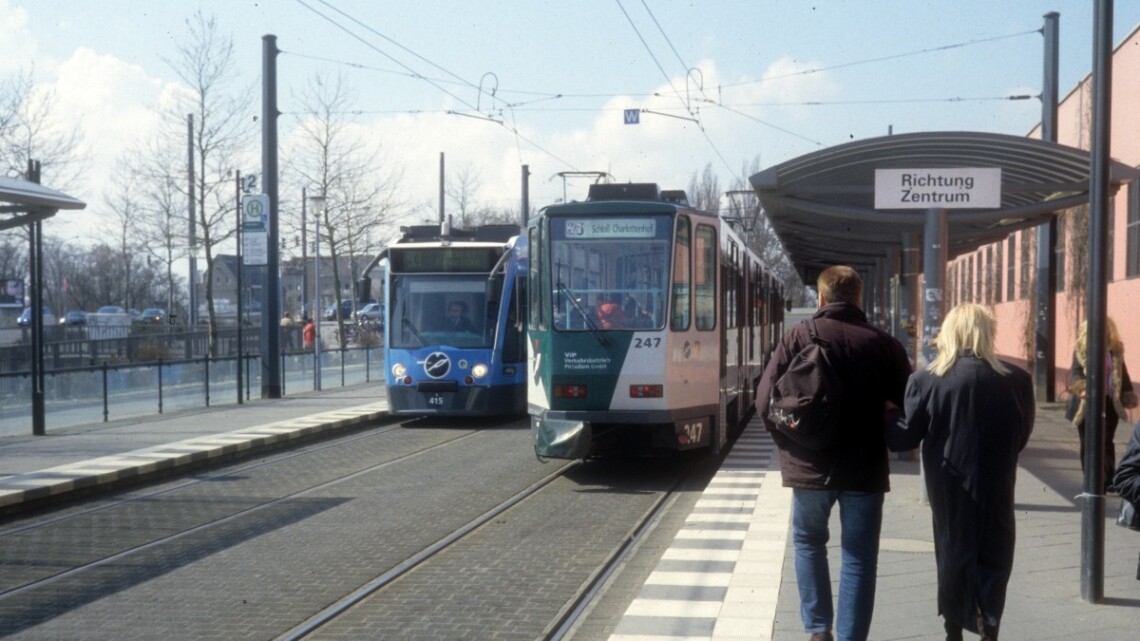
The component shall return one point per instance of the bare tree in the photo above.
(123, 202)
(222, 130)
(161, 224)
(704, 190)
(330, 157)
(13, 266)
(762, 239)
(461, 192)
(30, 131)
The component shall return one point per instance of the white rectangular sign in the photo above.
(611, 228)
(254, 248)
(940, 188)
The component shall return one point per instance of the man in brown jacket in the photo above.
(872, 368)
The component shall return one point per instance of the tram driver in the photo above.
(457, 320)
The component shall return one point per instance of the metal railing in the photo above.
(110, 391)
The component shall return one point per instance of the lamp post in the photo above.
(317, 202)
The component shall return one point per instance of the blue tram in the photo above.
(649, 325)
(454, 338)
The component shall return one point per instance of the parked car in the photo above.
(346, 308)
(25, 319)
(152, 315)
(370, 313)
(111, 309)
(74, 318)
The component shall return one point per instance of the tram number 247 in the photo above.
(692, 432)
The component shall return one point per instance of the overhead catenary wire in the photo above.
(896, 56)
(437, 85)
(669, 80)
(497, 115)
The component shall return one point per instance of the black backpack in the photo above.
(804, 401)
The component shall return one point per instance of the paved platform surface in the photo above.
(87, 456)
(728, 574)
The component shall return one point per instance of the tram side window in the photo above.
(682, 269)
(704, 276)
(514, 334)
(535, 309)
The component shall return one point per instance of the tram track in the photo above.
(181, 485)
(344, 605)
(368, 603)
(449, 516)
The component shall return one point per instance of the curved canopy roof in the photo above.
(31, 202)
(822, 204)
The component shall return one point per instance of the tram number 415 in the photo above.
(435, 400)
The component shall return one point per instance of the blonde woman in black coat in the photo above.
(973, 414)
(1118, 392)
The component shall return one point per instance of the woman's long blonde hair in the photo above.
(968, 326)
(1111, 339)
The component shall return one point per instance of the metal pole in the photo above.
(894, 269)
(318, 214)
(525, 213)
(271, 296)
(1092, 499)
(1044, 365)
(909, 297)
(193, 232)
(39, 419)
(305, 311)
(441, 189)
(237, 252)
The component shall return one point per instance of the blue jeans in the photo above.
(860, 520)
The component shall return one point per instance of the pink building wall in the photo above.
(1014, 315)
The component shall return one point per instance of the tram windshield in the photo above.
(609, 273)
(442, 310)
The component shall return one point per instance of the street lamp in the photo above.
(317, 203)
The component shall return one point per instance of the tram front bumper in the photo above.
(560, 438)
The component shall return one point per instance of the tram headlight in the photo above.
(478, 370)
(398, 370)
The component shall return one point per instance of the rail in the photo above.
(110, 391)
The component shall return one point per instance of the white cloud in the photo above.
(17, 47)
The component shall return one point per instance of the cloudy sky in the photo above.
(718, 84)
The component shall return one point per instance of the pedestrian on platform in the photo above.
(872, 368)
(1118, 393)
(973, 415)
(1127, 482)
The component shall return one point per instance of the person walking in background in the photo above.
(1118, 393)
(309, 334)
(973, 415)
(872, 368)
(287, 330)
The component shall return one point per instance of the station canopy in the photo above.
(29, 202)
(822, 204)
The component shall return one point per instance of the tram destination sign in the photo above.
(939, 188)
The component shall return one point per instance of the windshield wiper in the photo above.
(410, 325)
(564, 290)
